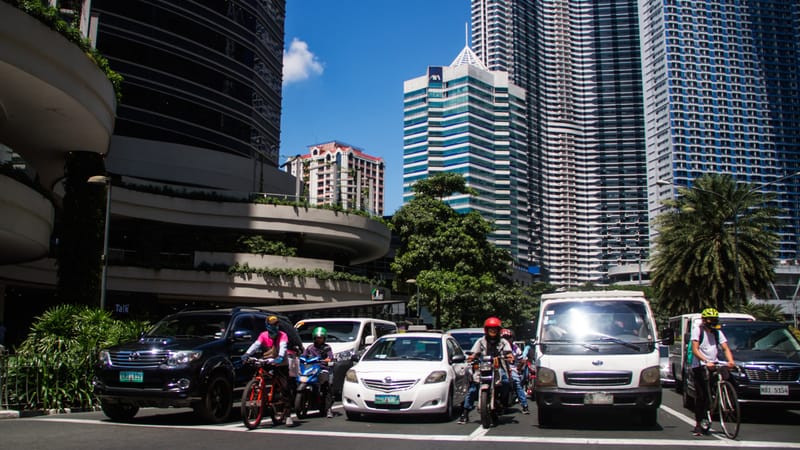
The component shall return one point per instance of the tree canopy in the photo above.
(716, 243)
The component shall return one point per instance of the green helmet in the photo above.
(319, 331)
(709, 313)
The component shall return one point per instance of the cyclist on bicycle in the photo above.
(274, 342)
(705, 340)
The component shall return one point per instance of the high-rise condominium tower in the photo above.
(722, 94)
(578, 61)
(469, 120)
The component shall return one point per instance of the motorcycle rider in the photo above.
(274, 344)
(325, 353)
(516, 379)
(491, 344)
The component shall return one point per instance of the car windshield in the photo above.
(337, 331)
(190, 325)
(579, 327)
(761, 337)
(466, 339)
(405, 348)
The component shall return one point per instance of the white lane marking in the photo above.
(479, 435)
(690, 421)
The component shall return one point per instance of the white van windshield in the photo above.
(580, 327)
(337, 331)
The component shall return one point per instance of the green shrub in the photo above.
(53, 367)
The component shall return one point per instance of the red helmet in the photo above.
(492, 322)
(506, 333)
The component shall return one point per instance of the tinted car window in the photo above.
(415, 348)
(337, 331)
(185, 325)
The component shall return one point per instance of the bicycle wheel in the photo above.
(728, 409)
(252, 404)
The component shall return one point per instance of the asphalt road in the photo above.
(176, 428)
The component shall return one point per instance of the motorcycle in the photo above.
(309, 389)
(528, 375)
(493, 393)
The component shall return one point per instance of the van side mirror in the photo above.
(667, 336)
(369, 340)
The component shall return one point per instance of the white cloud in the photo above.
(299, 63)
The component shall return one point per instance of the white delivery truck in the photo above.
(597, 349)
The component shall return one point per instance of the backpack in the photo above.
(689, 355)
(295, 344)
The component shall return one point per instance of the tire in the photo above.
(278, 414)
(119, 412)
(301, 402)
(688, 401)
(678, 384)
(649, 417)
(546, 417)
(216, 405)
(252, 404)
(728, 409)
(352, 415)
(447, 415)
(486, 414)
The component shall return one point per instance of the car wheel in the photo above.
(649, 417)
(119, 412)
(215, 407)
(688, 401)
(351, 415)
(545, 417)
(448, 413)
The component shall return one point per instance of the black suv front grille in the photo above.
(138, 359)
(781, 374)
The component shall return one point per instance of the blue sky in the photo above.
(345, 63)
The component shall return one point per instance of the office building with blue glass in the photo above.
(468, 120)
(722, 95)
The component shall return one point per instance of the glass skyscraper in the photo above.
(468, 120)
(579, 62)
(722, 84)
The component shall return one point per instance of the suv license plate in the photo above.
(774, 389)
(383, 399)
(598, 398)
(131, 377)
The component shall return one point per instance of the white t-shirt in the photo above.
(709, 345)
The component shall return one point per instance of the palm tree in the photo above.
(716, 240)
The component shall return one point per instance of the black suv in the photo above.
(188, 359)
(770, 356)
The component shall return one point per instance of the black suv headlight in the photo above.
(177, 358)
(104, 358)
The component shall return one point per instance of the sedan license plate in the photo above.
(598, 398)
(774, 389)
(384, 399)
(131, 377)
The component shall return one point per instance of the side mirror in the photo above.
(242, 335)
(369, 340)
(667, 336)
(458, 358)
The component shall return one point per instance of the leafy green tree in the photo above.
(764, 311)
(461, 276)
(53, 366)
(712, 234)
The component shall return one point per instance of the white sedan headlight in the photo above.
(436, 377)
(350, 376)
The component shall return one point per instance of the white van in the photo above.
(597, 349)
(347, 336)
(677, 351)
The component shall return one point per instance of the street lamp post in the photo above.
(736, 209)
(416, 297)
(104, 180)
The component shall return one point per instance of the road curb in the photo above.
(9, 414)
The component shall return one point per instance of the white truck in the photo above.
(597, 349)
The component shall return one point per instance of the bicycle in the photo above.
(723, 401)
(264, 393)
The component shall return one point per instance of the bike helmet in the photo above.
(506, 333)
(319, 332)
(492, 322)
(710, 313)
(272, 325)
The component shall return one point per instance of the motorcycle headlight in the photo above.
(650, 376)
(436, 377)
(183, 357)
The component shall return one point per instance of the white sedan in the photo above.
(407, 373)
